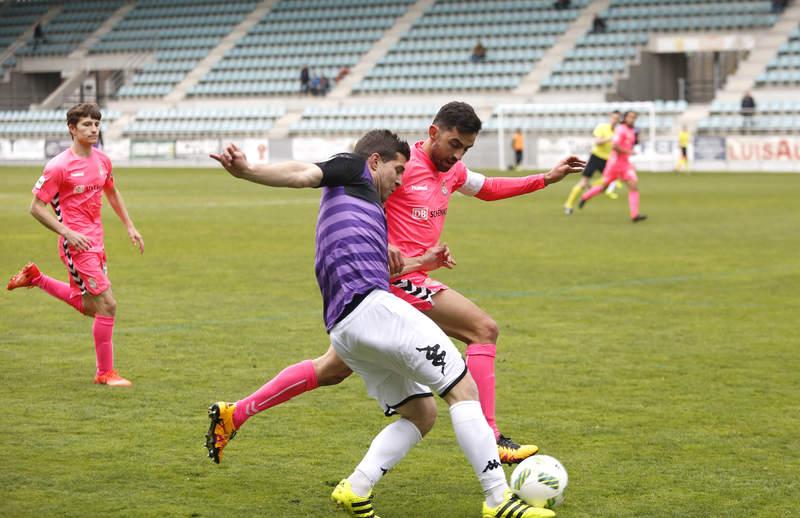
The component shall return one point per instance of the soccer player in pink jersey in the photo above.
(415, 216)
(620, 167)
(73, 183)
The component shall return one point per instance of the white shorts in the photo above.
(400, 353)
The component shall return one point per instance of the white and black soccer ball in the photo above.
(540, 481)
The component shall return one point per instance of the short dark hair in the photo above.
(83, 110)
(383, 142)
(460, 116)
(616, 111)
(627, 112)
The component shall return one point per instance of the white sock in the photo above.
(611, 187)
(387, 449)
(477, 442)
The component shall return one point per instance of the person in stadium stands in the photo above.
(401, 354)
(38, 36)
(619, 166)
(415, 214)
(478, 53)
(748, 109)
(518, 145)
(305, 77)
(562, 4)
(598, 24)
(73, 183)
(603, 134)
(683, 145)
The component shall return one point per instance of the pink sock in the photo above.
(594, 191)
(103, 329)
(480, 363)
(290, 382)
(633, 203)
(60, 290)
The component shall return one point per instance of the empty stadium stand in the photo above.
(324, 35)
(42, 123)
(198, 122)
(180, 33)
(784, 70)
(434, 55)
(598, 59)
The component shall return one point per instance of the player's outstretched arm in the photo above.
(499, 188)
(118, 204)
(283, 174)
(42, 214)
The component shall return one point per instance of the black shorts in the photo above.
(594, 164)
(683, 152)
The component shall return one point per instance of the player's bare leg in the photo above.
(462, 319)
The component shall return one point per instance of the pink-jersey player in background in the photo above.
(619, 167)
(415, 215)
(73, 183)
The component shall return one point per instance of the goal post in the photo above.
(511, 116)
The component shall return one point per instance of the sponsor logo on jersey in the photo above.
(79, 189)
(79, 173)
(419, 187)
(40, 182)
(419, 213)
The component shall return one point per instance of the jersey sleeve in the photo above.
(598, 131)
(344, 169)
(472, 184)
(460, 177)
(110, 176)
(48, 184)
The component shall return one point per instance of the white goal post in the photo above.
(511, 115)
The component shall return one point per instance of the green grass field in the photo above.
(659, 362)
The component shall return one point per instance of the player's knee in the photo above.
(487, 330)
(109, 306)
(464, 390)
(425, 417)
(330, 370)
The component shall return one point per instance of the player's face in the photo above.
(630, 119)
(86, 131)
(448, 146)
(390, 175)
(614, 119)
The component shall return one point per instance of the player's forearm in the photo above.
(499, 188)
(118, 204)
(284, 174)
(41, 214)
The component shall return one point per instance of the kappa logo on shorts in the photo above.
(432, 353)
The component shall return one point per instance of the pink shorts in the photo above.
(416, 288)
(619, 170)
(90, 267)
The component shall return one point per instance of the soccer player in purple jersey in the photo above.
(401, 354)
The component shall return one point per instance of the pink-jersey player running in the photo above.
(73, 183)
(619, 167)
(415, 217)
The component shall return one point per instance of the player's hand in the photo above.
(233, 160)
(77, 240)
(436, 257)
(136, 238)
(396, 261)
(565, 166)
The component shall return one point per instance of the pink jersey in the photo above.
(74, 186)
(415, 212)
(624, 138)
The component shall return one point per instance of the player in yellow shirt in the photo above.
(603, 134)
(683, 143)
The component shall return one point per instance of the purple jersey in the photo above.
(351, 253)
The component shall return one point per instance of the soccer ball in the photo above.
(540, 481)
